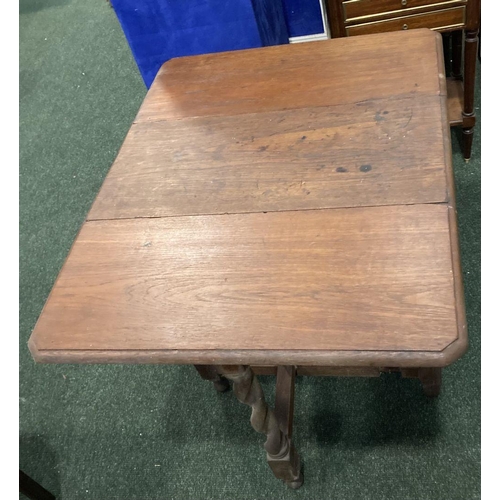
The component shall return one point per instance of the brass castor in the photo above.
(297, 483)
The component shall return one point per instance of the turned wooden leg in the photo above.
(208, 372)
(281, 454)
(285, 395)
(479, 45)
(467, 136)
(456, 53)
(431, 381)
(469, 117)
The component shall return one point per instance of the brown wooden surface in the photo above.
(371, 286)
(280, 160)
(442, 20)
(358, 10)
(293, 76)
(455, 101)
(276, 281)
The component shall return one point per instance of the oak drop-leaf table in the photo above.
(285, 210)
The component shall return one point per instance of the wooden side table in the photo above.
(281, 210)
(361, 17)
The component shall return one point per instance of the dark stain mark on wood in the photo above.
(365, 168)
(385, 113)
(379, 117)
(409, 119)
(303, 138)
(321, 167)
(263, 148)
(341, 169)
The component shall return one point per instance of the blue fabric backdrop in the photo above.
(303, 17)
(158, 30)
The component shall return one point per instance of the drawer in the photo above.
(443, 20)
(357, 11)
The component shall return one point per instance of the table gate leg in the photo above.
(281, 454)
(285, 395)
(431, 381)
(208, 372)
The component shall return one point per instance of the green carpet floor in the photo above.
(158, 432)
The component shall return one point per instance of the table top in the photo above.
(286, 205)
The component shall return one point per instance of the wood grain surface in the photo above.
(368, 153)
(285, 206)
(294, 76)
(347, 279)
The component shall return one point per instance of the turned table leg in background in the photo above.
(281, 454)
(469, 116)
(208, 372)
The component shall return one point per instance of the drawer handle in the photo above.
(403, 3)
(405, 26)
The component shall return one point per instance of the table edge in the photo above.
(400, 359)
(462, 334)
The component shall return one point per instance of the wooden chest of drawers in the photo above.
(363, 17)
(366, 11)
(442, 20)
